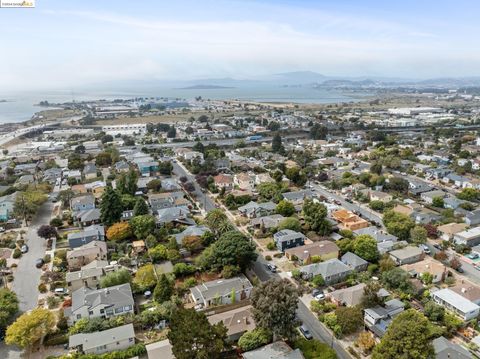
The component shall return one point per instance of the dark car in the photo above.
(39, 263)
(459, 270)
(305, 332)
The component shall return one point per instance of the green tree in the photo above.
(418, 234)
(254, 339)
(27, 203)
(285, 208)
(103, 159)
(469, 194)
(269, 190)
(376, 167)
(438, 202)
(158, 253)
(370, 295)
(154, 185)
(314, 349)
(398, 279)
(193, 337)
(143, 225)
(274, 307)
(408, 336)
(434, 312)
(398, 224)
(350, 319)
(277, 145)
(163, 290)
(145, 277)
(127, 183)
(290, 223)
(218, 222)
(232, 248)
(118, 277)
(30, 327)
(315, 217)
(140, 207)
(9, 305)
(111, 207)
(365, 246)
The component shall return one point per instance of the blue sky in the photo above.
(70, 43)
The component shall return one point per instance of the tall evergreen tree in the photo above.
(111, 207)
(140, 208)
(163, 290)
(193, 337)
(277, 145)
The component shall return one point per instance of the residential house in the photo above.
(332, 271)
(90, 171)
(456, 303)
(446, 232)
(175, 215)
(160, 350)
(169, 184)
(121, 166)
(163, 200)
(83, 255)
(100, 303)
(244, 181)
(191, 231)
(407, 255)
(267, 222)
(468, 290)
(298, 197)
(96, 188)
(89, 275)
(82, 203)
(303, 254)
(223, 181)
(237, 321)
(51, 175)
(286, 238)
(87, 235)
(349, 297)
(473, 218)
(254, 209)
(428, 265)
(445, 349)
(377, 195)
(114, 339)
(7, 204)
(87, 217)
(378, 319)
(263, 178)
(355, 262)
(469, 237)
(218, 292)
(428, 197)
(375, 233)
(348, 220)
(276, 350)
(25, 180)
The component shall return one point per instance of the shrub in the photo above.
(278, 255)
(17, 253)
(271, 246)
(268, 258)
(42, 288)
(190, 282)
(55, 339)
(46, 258)
(253, 339)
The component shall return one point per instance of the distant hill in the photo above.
(206, 87)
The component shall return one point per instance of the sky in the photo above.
(60, 44)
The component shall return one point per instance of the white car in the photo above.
(320, 297)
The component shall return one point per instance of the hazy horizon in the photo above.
(73, 44)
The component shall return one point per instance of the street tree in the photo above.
(30, 328)
(9, 305)
(111, 207)
(217, 221)
(193, 337)
(46, 231)
(315, 217)
(274, 307)
(398, 224)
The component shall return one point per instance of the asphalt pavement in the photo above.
(363, 212)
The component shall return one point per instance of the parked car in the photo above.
(2, 229)
(61, 291)
(316, 292)
(272, 268)
(305, 332)
(473, 256)
(425, 248)
(39, 263)
(320, 296)
(437, 246)
(24, 248)
(459, 270)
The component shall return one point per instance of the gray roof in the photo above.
(90, 168)
(456, 300)
(84, 199)
(326, 269)
(116, 295)
(210, 290)
(166, 215)
(196, 231)
(407, 252)
(298, 195)
(376, 234)
(96, 339)
(287, 235)
(446, 349)
(268, 221)
(277, 350)
(95, 230)
(351, 259)
(253, 206)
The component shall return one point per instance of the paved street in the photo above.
(364, 212)
(201, 197)
(317, 329)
